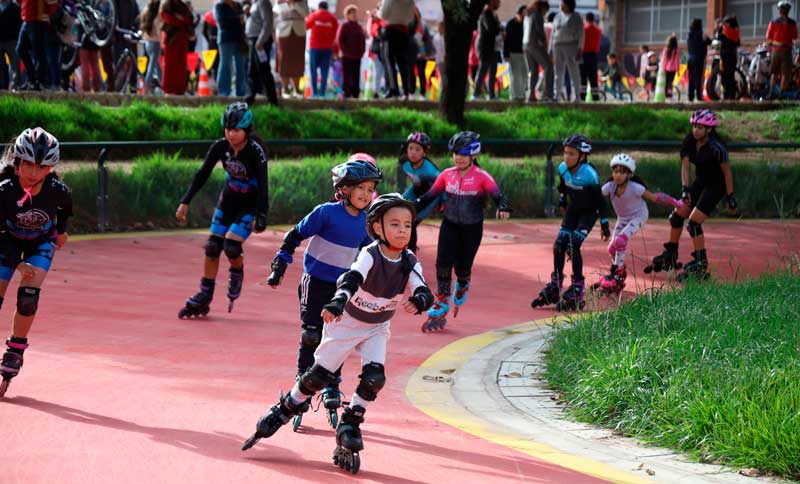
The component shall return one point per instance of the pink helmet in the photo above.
(362, 157)
(704, 117)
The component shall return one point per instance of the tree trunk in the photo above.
(458, 28)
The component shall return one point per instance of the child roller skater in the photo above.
(581, 201)
(242, 205)
(358, 317)
(628, 194)
(702, 148)
(34, 207)
(466, 186)
(337, 231)
(415, 165)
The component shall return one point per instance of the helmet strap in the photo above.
(385, 240)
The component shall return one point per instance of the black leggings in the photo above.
(458, 245)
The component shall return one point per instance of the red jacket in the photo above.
(591, 38)
(37, 10)
(323, 26)
(351, 40)
(781, 33)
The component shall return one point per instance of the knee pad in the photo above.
(694, 229)
(619, 244)
(28, 300)
(576, 239)
(311, 337)
(315, 379)
(214, 246)
(372, 379)
(562, 242)
(233, 248)
(675, 220)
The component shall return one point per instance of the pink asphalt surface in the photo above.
(117, 389)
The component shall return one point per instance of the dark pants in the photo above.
(575, 227)
(458, 245)
(53, 54)
(670, 78)
(395, 48)
(32, 49)
(589, 69)
(313, 293)
(261, 79)
(351, 77)
(420, 64)
(487, 65)
(696, 66)
(729, 75)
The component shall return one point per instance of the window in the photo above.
(652, 21)
(754, 16)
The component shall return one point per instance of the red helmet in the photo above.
(704, 117)
(362, 157)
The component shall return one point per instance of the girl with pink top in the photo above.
(467, 186)
(671, 61)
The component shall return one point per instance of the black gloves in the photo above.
(336, 305)
(732, 205)
(278, 267)
(261, 222)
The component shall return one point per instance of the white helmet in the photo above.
(38, 146)
(623, 159)
(784, 4)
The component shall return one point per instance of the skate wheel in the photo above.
(333, 418)
(183, 313)
(355, 464)
(296, 421)
(230, 306)
(648, 269)
(4, 386)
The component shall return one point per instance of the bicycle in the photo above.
(95, 19)
(127, 62)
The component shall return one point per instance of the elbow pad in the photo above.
(291, 241)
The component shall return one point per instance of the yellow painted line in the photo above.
(434, 398)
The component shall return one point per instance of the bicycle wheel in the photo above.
(123, 71)
(104, 20)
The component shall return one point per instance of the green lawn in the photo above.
(712, 370)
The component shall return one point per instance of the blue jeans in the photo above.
(153, 49)
(31, 49)
(231, 51)
(319, 59)
(53, 50)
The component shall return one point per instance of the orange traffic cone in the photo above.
(203, 89)
(140, 85)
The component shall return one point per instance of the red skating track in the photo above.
(117, 389)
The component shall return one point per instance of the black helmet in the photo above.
(237, 115)
(465, 143)
(381, 205)
(353, 172)
(420, 138)
(579, 142)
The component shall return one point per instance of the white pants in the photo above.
(629, 227)
(340, 339)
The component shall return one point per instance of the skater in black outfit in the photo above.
(34, 207)
(581, 201)
(713, 181)
(242, 205)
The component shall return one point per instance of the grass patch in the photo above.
(73, 120)
(712, 370)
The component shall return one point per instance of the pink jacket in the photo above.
(673, 63)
